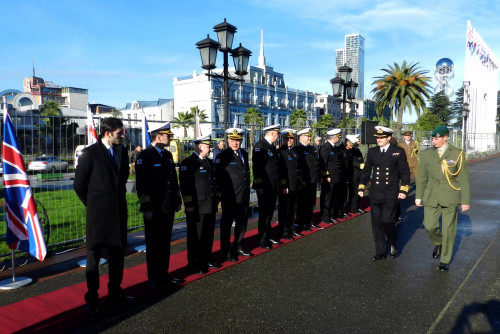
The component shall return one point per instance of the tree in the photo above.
(347, 123)
(403, 88)
(201, 114)
(440, 106)
(252, 117)
(298, 118)
(456, 108)
(184, 120)
(325, 121)
(116, 113)
(428, 122)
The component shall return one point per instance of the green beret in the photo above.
(439, 131)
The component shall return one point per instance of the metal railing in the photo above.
(42, 135)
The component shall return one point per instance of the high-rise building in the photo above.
(353, 55)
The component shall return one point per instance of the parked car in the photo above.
(48, 163)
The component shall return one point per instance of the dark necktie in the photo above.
(112, 155)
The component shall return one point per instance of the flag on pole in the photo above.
(23, 227)
(234, 123)
(91, 133)
(146, 137)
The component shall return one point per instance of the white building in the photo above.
(263, 88)
(327, 104)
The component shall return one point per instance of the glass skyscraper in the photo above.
(353, 55)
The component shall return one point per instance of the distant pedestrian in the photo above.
(443, 184)
(100, 181)
(411, 150)
(221, 145)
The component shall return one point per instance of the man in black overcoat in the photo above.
(288, 184)
(233, 180)
(100, 180)
(200, 196)
(307, 164)
(387, 167)
(159, 198)
(265, 182)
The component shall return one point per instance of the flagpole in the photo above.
(13, 282)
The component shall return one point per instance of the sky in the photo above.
(123, 51)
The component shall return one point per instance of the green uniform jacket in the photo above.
(433, 187)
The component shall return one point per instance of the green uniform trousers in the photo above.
(445, 237)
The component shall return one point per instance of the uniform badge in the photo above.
(257, 149)
(217, 161)
(138, 162)
(395, 154)
(183, 168)
(157, 165)
(270, 153)
(201, 167)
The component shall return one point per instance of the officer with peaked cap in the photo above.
(411, 150)
(159, 198)
(288, 184)
(307, 164)
(443, 184)
(200, 196)
(265, 182)
(233, 179)
(353, 162)
(333, 187)
(387, 167)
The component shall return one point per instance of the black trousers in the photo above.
(237, 212)
(332, 199)
(353, 196)
(286, 213)
(382, 214)
(306, 200)
(158, 233)
(200, 237)
(115, 263)
(267, 204)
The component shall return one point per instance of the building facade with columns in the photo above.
(263, 88)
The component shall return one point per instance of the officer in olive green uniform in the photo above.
(443, 183)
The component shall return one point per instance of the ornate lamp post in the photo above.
(344, 86)
(208, 52)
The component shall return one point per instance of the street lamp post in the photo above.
(208, 52)
(344, 86)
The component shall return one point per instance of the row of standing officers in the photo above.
(290, 174)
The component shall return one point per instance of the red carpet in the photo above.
(64, 309)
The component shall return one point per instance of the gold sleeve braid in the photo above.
(446, 169)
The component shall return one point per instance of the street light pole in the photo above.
(465, 115)
(208, 52)
(344, 86)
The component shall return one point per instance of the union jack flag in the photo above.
(23, 227)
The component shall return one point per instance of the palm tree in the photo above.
(253, 117)
(201, 114)
(298, 118)
(402, 88)
(185, 120)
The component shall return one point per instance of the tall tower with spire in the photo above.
(262, 59)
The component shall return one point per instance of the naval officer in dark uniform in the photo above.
(233, 180)
(200, 196)
(265, 182)
(354, 166)
(333, 187)
(307, 163)
(159, 198)
(390, 179)
(288, 184)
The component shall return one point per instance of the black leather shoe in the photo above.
(243, 252)
(379, 257)
(158, 286)
(174, 280)
(287, 237)
(265, 246)
(297, 234)
(443, 266)
(358, 211)
(327, 222)
(437, 251)
(92, 309)
(121, 298)
(334, 221)
(198, 271)
(214, 265)
(317, 227)
(307, 229)
(394, 251)
(275, 242)
(231, 258)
